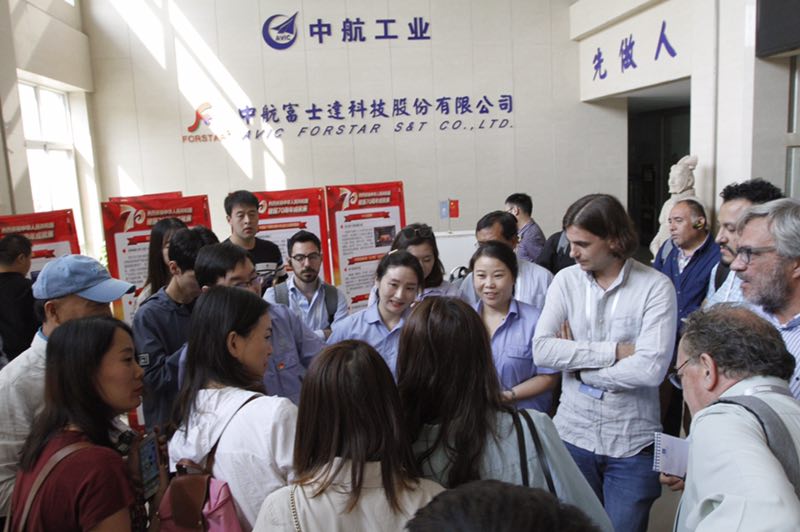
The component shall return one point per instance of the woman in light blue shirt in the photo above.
(511, 325)
(400, 278)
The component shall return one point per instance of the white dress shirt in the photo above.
(734, 482)
(616, 411)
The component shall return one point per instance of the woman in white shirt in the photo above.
(221, 401)
(352, 459)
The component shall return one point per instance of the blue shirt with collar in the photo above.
(294, 346)
(691, 285)
(368, 326)
(314, 313)
(513, 355)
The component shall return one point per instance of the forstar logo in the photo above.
(200, 117)
(280, 31)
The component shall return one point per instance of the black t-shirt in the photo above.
(268, 261)
(18, 322)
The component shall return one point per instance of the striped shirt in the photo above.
(791, 336)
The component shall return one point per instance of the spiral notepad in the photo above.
(671, 455)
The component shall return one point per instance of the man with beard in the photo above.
(723, 286)
(768, 264)
(314, 301)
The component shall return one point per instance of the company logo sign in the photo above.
(280, 31)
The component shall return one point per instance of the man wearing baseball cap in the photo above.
(68, 288)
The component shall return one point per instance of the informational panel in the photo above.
(284, 212)
(160, 195)
(127, 223)
(52, 235)
(363, 221)
(649, 48)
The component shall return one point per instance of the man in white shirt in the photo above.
(314, 301)
(68, 288)
(768, 264)
(609, 324)
(532, 279)
(735, 479)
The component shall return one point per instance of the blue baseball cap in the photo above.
(79, 275)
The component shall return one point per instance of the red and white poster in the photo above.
(363, 220)
(282, 213)
(52, 235)
(127, 223)
(159, 195)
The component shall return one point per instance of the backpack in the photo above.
(195, 500)
(331, 298)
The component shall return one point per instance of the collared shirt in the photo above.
(638, 307)
(531, 241)
(314, 313)
(730, 291)
(733, 481)
(690, 281)
(512, 355)
(367, 326)
(294, 346)
(22, 397)
(325, 511)
(530, 287)
(790, 331)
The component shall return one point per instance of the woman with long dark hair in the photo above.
(462, 428)
(91, 377)
(352, 458)
(222, 405)
(158, 257)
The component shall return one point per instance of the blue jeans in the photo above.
(627, 487)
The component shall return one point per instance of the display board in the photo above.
(363, 221)
(51, 233)
(282, 213)
(127, 223)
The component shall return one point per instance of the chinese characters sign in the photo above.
(280, 32)
(362, 116)
(650, 48)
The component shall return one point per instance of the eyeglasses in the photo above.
(312, 257)
(746, 253)
(255, 281)
(675, 375)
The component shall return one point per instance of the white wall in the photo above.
(154, 62)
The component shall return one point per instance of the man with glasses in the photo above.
(735, 479)
(314, 301)
(723, 285)
(768, 264)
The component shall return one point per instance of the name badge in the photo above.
(591, 391)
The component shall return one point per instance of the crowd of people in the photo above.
(526, 395)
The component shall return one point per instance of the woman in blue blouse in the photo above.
(511, 325)
(400, 279)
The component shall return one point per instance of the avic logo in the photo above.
(200, 117)
(280, 31)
